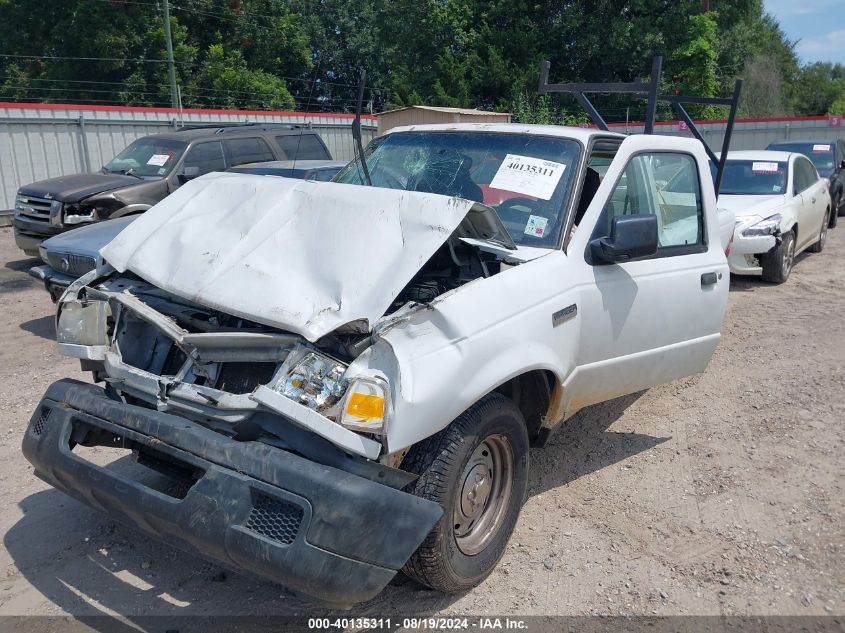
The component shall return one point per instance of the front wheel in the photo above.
(477, 469)
(834, 214)
(777, 263)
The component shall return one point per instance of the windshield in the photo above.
(754, 178)
(525, 177)
(148, 156)
(820, 153)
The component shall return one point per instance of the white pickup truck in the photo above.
(342, 381)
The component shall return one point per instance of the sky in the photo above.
(818, 24)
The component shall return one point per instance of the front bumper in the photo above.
(745, 252)
(316, 529)
(54, 282)
(30, 233)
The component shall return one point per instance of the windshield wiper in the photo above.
(130, 172)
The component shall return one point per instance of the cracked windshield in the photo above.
(526, 178)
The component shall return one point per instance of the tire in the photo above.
(777, 263)
(461, 551)
(818, 247)
(840, 208)
(834, 213)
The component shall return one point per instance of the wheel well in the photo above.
(532, 393)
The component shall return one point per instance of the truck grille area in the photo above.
(277, 520)
(76, 265)
(39, 209)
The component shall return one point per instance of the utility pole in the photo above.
(171, 68)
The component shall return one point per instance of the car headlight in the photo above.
(769, 226)
(83, 323)
(319, 382)
(74, 215)
(314, 380)
(365, 406)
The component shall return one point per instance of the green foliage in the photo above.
(308, 54)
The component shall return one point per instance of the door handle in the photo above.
(813, 200)
(708, 279)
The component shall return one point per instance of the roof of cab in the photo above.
(576, 133)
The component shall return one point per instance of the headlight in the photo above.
(314, 380)
(74, 215)
(769, 226)
(83, 323)
(365, 406)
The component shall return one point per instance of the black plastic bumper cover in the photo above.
(313, 528)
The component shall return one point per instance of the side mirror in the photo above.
(842, 165)
(631, 237)
(189, 173)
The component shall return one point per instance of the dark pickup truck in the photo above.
(147, 171)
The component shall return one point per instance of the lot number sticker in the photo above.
(536, 226)
(530, 176)
(764, 168)
(821, 148)
(158, 159)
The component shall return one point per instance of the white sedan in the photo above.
(781, 207)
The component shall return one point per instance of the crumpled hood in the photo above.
(306, 257)
(76, 187)
(747, 206)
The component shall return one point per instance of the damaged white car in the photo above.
(782, 208)
(345, 380)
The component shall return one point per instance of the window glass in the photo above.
(753, 178)
(247, 150)
(148, 156)
(805, 175)
(302, 147)
(206, 156)
(527, 178)
(662, 184)
(820, 152)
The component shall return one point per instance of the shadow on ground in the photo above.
(45, 327)
(90, 566)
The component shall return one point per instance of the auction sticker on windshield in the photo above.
(158, 159)
(821, 148)
(536, 226)
(530, 176)
(764, 168)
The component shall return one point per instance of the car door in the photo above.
(655, 319)
(811, 194)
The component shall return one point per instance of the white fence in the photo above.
(39, 141)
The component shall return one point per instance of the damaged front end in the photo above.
(156, 350)
(272, 449)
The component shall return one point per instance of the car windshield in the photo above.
(147, 156)
(527, 178)
(754, 178)
(820, 153)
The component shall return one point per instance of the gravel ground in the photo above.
(719, 494)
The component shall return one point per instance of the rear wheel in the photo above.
(777, 263)
(818, 247)
(477, 469)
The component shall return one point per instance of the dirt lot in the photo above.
(719, 494)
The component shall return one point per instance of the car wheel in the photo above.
(477, 469)
(841, 204)
(777, 263)
(818, 247)
(834, 214)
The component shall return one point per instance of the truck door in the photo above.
(655, 319)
